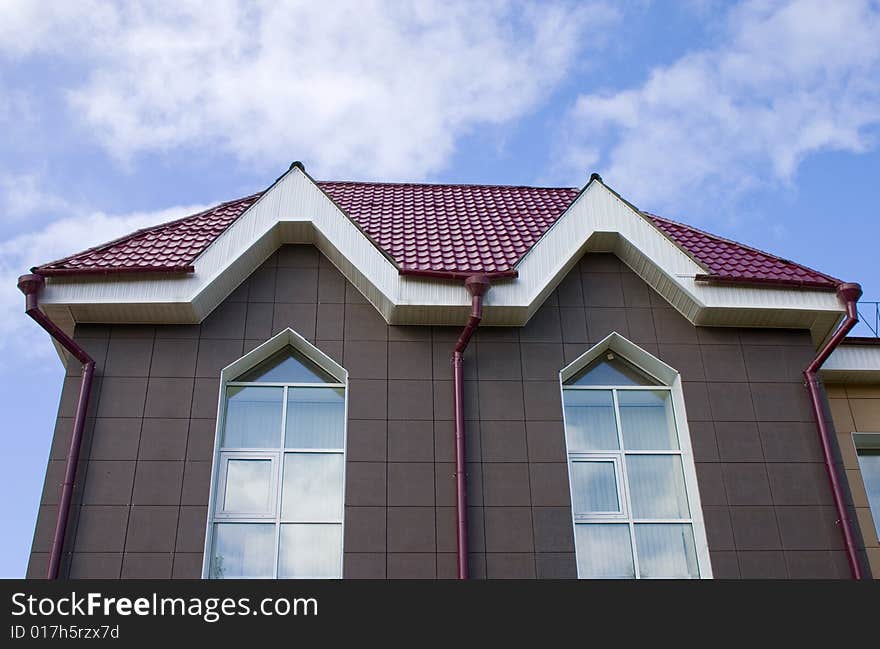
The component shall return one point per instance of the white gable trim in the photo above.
(630, 351)
(281, 340)
(669, 377)
(295, 210)
(230, 373)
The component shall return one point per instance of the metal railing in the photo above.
(869, 320)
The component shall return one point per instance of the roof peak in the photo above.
(372, 183)
(433, 227)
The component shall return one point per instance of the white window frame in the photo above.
(669, 380)
(869, 442)
(223, 467)
(600, 517)
(286, 338)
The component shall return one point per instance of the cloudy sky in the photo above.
(759, 121)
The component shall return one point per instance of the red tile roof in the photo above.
(171, 246)
(434, 229)
(451, 228)
(729, 261)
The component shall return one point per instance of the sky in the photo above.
(758, 121)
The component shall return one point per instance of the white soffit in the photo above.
(853, 363)
(295, 210)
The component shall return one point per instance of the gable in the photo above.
(297, 210)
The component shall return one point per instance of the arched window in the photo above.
(635, 504)
(279, 465)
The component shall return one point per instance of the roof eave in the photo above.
(110, 270)
(511, 273)
(765, 282)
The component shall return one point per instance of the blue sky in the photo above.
(759, 121)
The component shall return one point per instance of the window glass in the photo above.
(646, 420)
(594, 488)
(869, 463)
(312, 487)
(656, 485)
(315, 418)
(589, 420)
(666, 551)
(243, 550)
(610, 369)
(287, 366)
(253, 417)
(604, 551)
(310, 551)
(248, 486)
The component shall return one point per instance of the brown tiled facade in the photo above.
(142, 494)
(856, 408)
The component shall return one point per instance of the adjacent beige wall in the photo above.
(856, 408)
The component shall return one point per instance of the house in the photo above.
(852, 384)
(375, 380)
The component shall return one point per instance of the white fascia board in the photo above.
(295, 210)
(853, 364)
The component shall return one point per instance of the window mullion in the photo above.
(625, 480)
(278, 490)
(283, 416)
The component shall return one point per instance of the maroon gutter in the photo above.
(477, 285)
(110, 270)
(765, 282)
(30, 285)
(849, 293)
(460, 275)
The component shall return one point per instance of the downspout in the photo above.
(477, 285)
(30, 285)
(849, 293)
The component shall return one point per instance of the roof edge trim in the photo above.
(511, 273)
(111, 270)
(763, 283)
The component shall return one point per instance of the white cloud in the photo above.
(23, 195)
(366, 89)
(785, 81)
(79, 229)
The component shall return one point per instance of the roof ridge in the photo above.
(436, 227)
(426, 184)
(740, 245)
(141, 231)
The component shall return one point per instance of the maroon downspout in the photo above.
(30, 285)
(850, 293)
(477, 285)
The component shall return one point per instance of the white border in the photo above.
(671, 380)
(295, 210)
(287, 337)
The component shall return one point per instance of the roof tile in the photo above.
(439, 228)
(731, 261)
